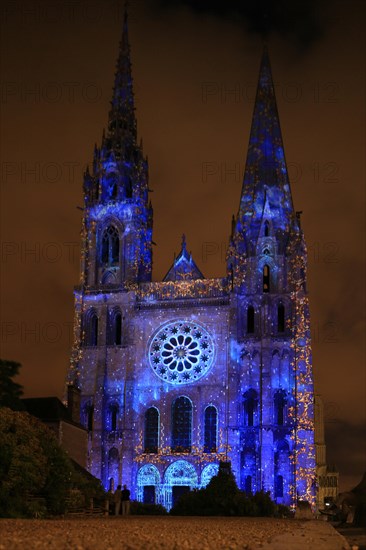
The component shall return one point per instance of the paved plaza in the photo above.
(168, 533)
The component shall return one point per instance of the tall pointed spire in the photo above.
(266, 184)
(119, 183)
(122, 120)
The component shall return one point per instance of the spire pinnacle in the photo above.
(122, 115)
(184, 267)
(265, 176)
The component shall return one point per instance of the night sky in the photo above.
(195, 68)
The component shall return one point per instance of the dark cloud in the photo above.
(301, 22)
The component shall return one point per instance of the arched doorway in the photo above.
(148, 481)
(208, 473)
(180, 477)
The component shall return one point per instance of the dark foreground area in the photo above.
(356, 536)
(168, 533)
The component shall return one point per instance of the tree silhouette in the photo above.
(10, 391)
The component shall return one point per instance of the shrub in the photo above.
(75, 500)
(87, 485)
(31, 463)
(218, 498)
(283, 512)
(192, 504)
(222, 497)
(266, 507)
(36, 508)
(22, 462)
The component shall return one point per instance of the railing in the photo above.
(93, 508)
(160, 291)
(198, 288)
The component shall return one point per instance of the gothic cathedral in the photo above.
(178, 376)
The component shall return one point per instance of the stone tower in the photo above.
(118, 217)
(179, 375)
(267, 268)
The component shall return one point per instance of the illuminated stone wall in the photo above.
(180, 374)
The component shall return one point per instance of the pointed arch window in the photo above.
(118, 329)
(94, 330)
(279, 407)
(113, 467)
(114, 335)
(266, 278)
(113, 455)
(151, 435)
(249, 465)
(248, 484)
(282, 467)
(250, 320)
(182, 425)
(278, 489)
(110, 246)
(91, 329)
(266, 228)
(113, 415)
(281, 318)
(128, 188)
(250, 407)
(210, 442)
(114, 190)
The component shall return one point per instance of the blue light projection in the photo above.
(238, 346)
(184, 268)
(181, 472)
(148, 476)
(181, 352)
(208, 473)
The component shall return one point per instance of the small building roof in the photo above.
(184, 268)
(48, 409)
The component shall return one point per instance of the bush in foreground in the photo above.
(31, 463)
(36, 474)
(222, 497)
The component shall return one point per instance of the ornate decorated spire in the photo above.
(122, 120)
(266, 188)
(116, 192)
(120, 170)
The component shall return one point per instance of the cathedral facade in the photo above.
(178, 376)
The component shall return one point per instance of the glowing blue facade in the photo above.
(180, 374)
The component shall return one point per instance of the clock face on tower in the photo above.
(181, 352)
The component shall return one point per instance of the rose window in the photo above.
(181, 352)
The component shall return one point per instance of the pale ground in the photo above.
(168, 533)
